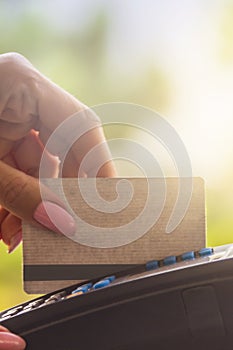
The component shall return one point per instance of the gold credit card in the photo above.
(121, 222)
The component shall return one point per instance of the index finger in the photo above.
(73, 131)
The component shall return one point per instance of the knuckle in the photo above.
(15, 58)
(15, 63)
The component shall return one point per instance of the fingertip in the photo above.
(10, 341)
(55, 218)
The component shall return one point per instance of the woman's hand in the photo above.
(9, 341)
(31, 109)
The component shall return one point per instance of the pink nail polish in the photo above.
(9, 341)
(55, 218)
(15, 241)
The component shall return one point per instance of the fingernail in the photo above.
(15, 241)
(55, 218)
(9, 341)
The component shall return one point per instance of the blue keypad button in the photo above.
(79, 290)
(101, 284)
(110, 278)
(152, 265)
(205, 252)
(188, 256)
(169, 260)
(82, 289)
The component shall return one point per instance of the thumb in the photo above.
(20, 194)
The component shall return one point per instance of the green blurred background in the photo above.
(174, 56)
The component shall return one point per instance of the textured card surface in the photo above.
(120, 223)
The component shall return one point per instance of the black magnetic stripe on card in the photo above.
(70, 272)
